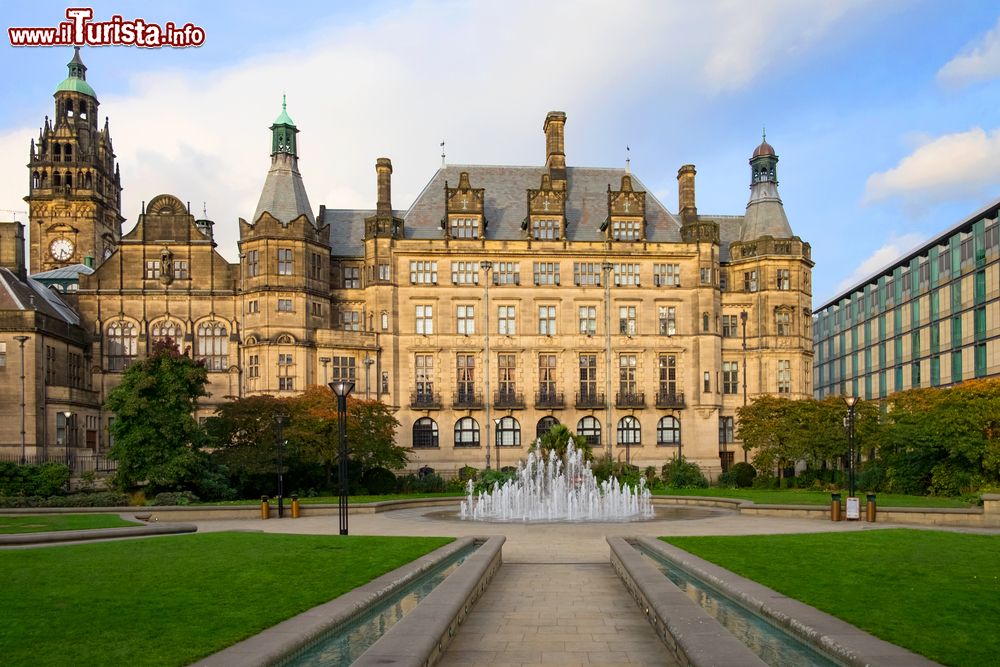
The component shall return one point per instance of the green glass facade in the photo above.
(930, 319)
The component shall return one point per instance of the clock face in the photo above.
(61, 249)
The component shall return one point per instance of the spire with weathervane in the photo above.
(284, 195)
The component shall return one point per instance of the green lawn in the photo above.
(935, 593)
(807, 497)
(39, 523)
(173, 600)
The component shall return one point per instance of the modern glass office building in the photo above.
(929, 319)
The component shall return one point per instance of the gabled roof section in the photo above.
(70, 272)
(32, 295)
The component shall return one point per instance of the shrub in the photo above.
(104, 499)
(430, 483)
(679, 473)
(175, 498)
(740, 476)
(765, 481)
(650, 474)
(46, 479)
(379, 481)
(466, 473)
(487, 478)
(603, 468)
(872, 477)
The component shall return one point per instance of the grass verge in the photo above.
(173, 600)
(935, 593)
(808, 497)
(40, 523)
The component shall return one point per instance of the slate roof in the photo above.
(765, 215)
(32, 295)
(70, 272)
(283, 195)
(506, 204)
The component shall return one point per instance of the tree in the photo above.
(558, 438)
(156, 437)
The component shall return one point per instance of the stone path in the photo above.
(555, 614)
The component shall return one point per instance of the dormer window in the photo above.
(626, 230)
(464, 228)
(545, 229)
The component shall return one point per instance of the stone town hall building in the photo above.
(502, 300)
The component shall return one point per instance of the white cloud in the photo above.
(480, 76)
(978, 62)
(889, 252)
(951, 166)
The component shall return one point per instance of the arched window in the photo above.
(90, 180)
(385, 321)
(213, 345)
(668, 432)
(69, 108)
(285, 339)
(36, 180)
(466, 432)
(590, 429)
(545, 425)
(704, 321)
(68, 152)
(425, 433)
(121, 345)
(166, 329)
(250, 340)
(508, 433)
(69, 180)
(629, 431)
(56, 178)
(57, 152)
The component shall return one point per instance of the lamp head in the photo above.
(342, 388)
(67, 414)
(851, 401)
(485, 266)
(743, 316)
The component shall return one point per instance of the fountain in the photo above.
(558, 490)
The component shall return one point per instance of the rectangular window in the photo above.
(668, 375)
(316, 309)
(465, 273)
(749, 281)
(253, 263)
(626, 275)
(284, 305)
(286, 372)
(3, 355)
(586, 273)
(343, 368)
(991, 237)
(980, 360)
(507, 375)
(783, 279)
(352, 277)
(667, 275)
(181, 269)
(626, 230)
(546, 376)
(547, 320)
(465, 317)
(385, 272)
(730, 377)
(152, 269)
(350, 320)
(979, 323)
(784, 376)
(783, 322)
(725, 430)
(50, 365)
(668, 320)
(464, 228)
(506, 320)
(627, 320)
(588, 375)
(588, 320)
(425, 320)
(935, 371)
(923, 274)
(915, 374)
(730, 324)
(706, 382)
(627, 374)
(546, 273)
(705, 274)
(423, 273)
(546, 229)
(956, 366)
(506, 273)
(944, 264)
(315, 266)
(466, 377)
(424, 376)
(253, 366)
(285, 263)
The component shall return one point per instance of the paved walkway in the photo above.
(556, 600)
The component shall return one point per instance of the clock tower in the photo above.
(75, 188)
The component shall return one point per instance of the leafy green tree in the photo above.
(558, 438)
(156, 437)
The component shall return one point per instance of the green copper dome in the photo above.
(75, 85)
(284, 118)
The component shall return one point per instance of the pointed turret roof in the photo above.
(284, 194)
(76, 80)
(765, 214)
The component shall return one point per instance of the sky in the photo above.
(884, 114)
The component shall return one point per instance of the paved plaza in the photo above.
(556, 600)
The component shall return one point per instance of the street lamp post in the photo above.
(342, 389)
(743, 321)
(368, 367)
(851, 403)
(487, 267)
(280, 421)
(67, 433)
(24, 449)
(606, 269)
(496, 424)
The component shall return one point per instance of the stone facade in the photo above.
(504, 299)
